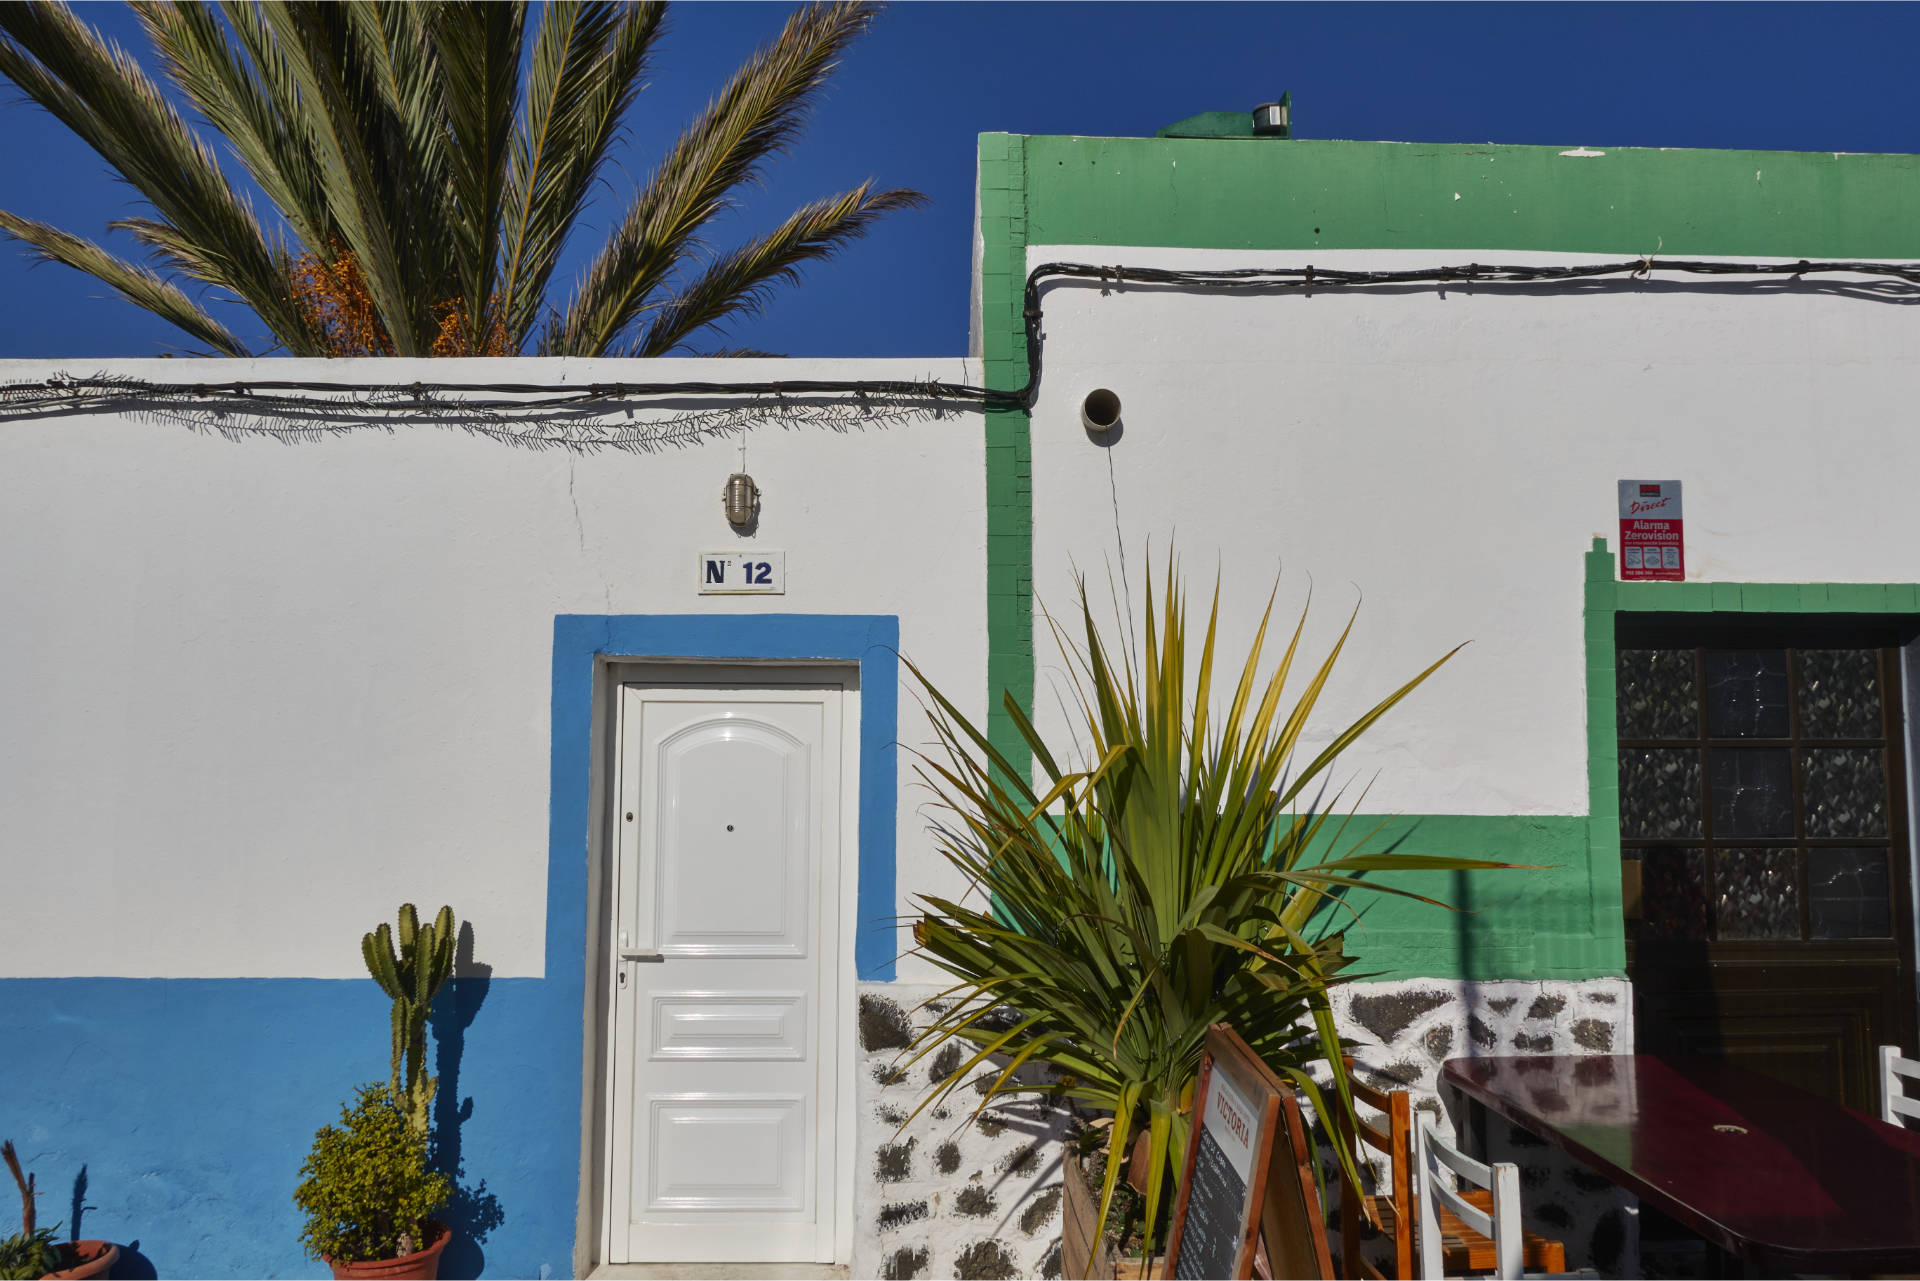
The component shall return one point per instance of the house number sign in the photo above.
(748, 573)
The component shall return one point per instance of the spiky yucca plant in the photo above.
(1168, 885)
(427, 185)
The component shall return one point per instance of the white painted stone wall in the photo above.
(1445, 457)
(1403, 1031)
(946, 1194)
(943, 1194)
(256, 693)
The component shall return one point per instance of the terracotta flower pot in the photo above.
(421, 1265)
(85, 1259)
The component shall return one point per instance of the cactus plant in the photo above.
(410, 976)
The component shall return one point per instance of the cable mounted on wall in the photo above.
(560, 415)
(1307, 279)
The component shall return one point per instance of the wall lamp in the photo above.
(740, 497)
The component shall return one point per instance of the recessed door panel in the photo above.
(730, 1025)
(716, 1154)
(728, 976)
(737, 817)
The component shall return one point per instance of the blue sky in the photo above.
(911, 98)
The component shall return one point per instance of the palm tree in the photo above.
(429, 170)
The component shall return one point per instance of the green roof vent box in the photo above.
(1268, 120)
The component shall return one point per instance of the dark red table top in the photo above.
(1768, 1173)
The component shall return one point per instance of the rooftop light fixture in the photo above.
(1273, 119)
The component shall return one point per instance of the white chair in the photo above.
(1496, 1217)
(1894, 1102)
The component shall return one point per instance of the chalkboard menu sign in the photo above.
(1220, 1182)
(1248, 1183)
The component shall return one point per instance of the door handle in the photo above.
(643, 955)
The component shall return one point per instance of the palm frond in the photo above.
(165, 240)
(132, 281)
(101, 93)
(478, 45)
(360, 158)
(760, 112)
(587, 67)
(741, 282)
(257, 113)
(429, 199)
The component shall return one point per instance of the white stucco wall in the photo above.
(256, 694)
(1447, 456)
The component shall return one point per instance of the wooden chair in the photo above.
(1386, 1214)
(1476, 1229)
(1894, 1102)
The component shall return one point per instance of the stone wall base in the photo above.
(952, 1194)
(1404, 1030)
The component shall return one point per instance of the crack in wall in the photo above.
(580, 531)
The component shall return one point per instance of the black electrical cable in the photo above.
(1302, 279)
(71, 393)
(271, 393)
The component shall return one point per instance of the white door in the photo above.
(728, 979)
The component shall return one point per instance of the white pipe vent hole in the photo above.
(1100, 411)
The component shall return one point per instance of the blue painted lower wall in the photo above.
(190, 1103)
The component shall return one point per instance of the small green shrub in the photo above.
(25, 1256)
(365, 1185)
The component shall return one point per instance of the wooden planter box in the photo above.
(1081, 1257)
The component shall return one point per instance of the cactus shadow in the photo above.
(131, 1265)
(78, 1206)
(472, 1211)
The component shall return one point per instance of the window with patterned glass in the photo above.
(1756, 802)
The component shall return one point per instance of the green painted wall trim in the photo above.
(1532, 922)
(1009, 444)
(1563, 921)
(1307, 194)
(1603, 752)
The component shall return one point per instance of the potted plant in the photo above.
(33, 1253)
(1184, 875)
(365, 1187)
(368, 1194)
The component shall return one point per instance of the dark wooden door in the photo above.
(1764, 849)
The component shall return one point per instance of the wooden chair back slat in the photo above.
(1367, 1094)
(1377, 1137)
(1389, 1214)
(1462, 1248)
